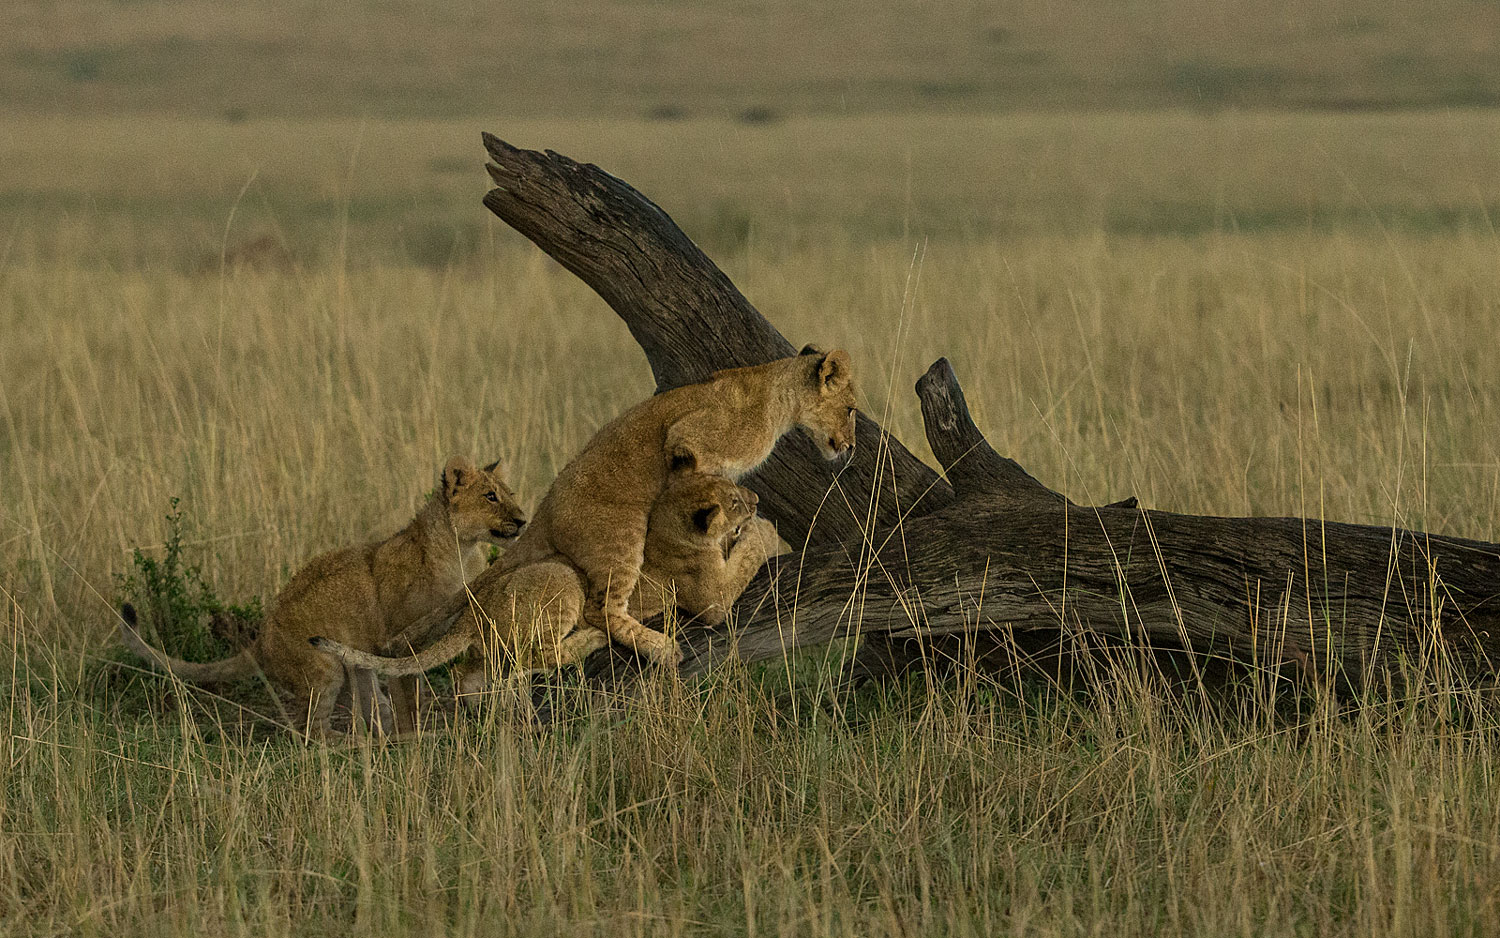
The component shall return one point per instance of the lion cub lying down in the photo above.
(594, 515)
(363, 595)
(703, 546)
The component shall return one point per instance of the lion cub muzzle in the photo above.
(510, 530)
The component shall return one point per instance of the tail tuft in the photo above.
(241, 665)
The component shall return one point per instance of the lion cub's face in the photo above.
(828, 404)
(701, 507)
(480, 505)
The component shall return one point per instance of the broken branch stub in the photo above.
(971, 464)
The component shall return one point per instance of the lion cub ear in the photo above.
(681, 459)
(703, 518)
(455, 474)
(812, 350)
(835, 372)
(495, 468)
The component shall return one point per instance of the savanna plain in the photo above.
(274, 330)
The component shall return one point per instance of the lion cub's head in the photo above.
(827, 397)
(480, 505)
(696, 508)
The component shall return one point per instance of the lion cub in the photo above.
(703, 546)
(594, 515)
(364, 595)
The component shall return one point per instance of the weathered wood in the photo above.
(691, 321)
(1342, 598)
(1011, 556)
(998, 554)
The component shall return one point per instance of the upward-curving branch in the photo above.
(691, 321)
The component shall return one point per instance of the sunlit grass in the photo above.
(1340, 370)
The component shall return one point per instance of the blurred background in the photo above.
(134, 129)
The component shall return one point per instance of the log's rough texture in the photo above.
(1343, 598)
(973, 467)
(691, 321)
(997, 554)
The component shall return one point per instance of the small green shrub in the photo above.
(175, 603)
(178, 612)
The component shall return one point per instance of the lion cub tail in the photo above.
(440, 652)
(234, 668)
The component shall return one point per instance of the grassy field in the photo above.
(1222, 311)
(167, 191)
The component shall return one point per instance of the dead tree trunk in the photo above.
(691, 321)
(899, 554)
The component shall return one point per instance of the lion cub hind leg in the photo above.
(536, 627)
(406, 702)
(543, 603)
(583, 641)
(571, 650)
(309, 680)
(368, 706)
(609, 611)
(611, 567)
(313, 702)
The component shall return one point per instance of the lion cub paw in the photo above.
(661, 650)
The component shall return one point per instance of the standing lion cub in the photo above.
(594, 515)
(704, 545)
(364, 595)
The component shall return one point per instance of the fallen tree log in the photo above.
(898, 554)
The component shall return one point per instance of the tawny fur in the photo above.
(594, 515)
(703, 546)
(363, 596)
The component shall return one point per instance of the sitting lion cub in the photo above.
(594, 514)
(704, 544)
(364, 595)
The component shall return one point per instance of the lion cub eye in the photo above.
(491, 496)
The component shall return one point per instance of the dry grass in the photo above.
(1340, 368)
(170, 191)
